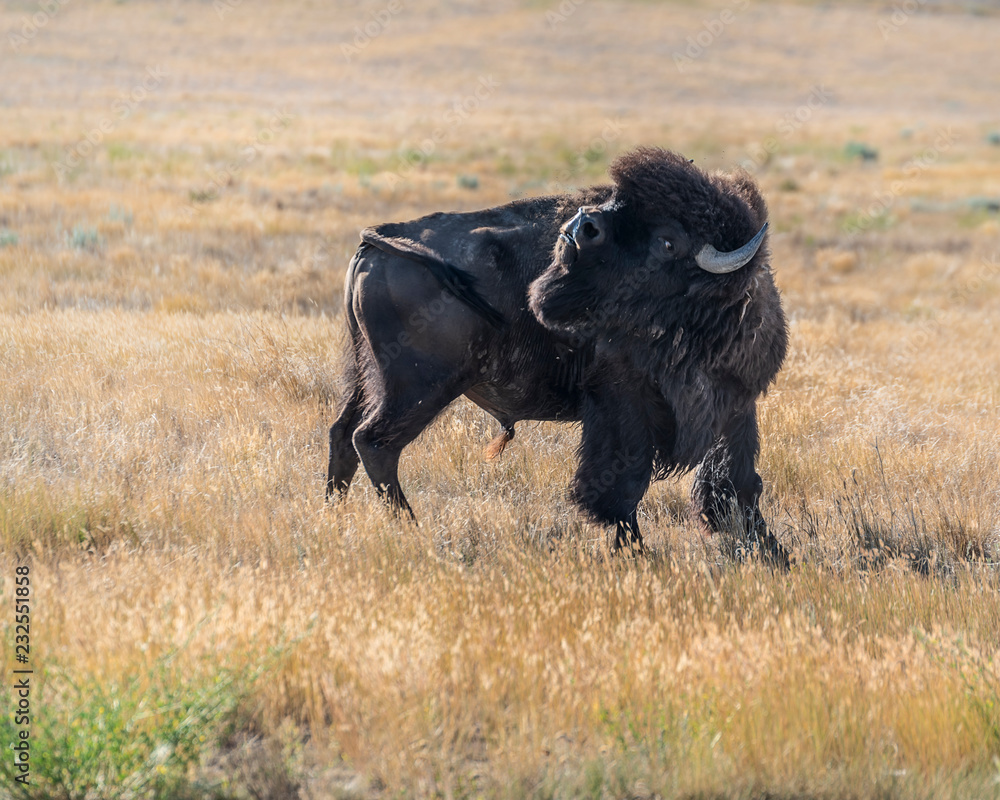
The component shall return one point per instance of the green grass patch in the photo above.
(33, 520)
(863, 222)
(82, 238)
(123, 214)
(119, 151)
(124, 736)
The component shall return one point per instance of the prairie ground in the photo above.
(181, 188)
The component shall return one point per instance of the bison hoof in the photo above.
(772, 552)
(628, 541)
(767, 550)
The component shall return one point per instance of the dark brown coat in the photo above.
(587, 307)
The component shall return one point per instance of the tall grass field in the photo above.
(181, 188)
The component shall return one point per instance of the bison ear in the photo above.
(743, 185)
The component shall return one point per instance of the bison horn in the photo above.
(711, 260)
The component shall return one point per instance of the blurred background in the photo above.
(298, 123)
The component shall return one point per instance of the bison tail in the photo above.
(499, 443)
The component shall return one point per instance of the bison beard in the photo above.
(645, 310)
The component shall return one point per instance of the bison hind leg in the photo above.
(381, 459)
(400, 416)
(499, 442)
(343, 457)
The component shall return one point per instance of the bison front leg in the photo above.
(616, 462)
(726, 490)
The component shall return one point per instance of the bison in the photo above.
(644, 309)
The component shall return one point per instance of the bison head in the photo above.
(669, 234)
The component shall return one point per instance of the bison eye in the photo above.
(668, 246)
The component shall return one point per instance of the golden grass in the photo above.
(525, 668)
(170, 339)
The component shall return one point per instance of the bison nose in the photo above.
(586, 229)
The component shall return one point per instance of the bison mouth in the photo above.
(565, 252)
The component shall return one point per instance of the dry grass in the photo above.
(170, 335)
